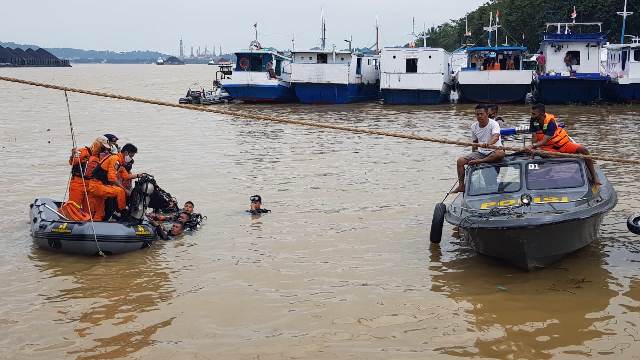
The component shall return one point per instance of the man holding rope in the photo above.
(485, 132)
(547, 135)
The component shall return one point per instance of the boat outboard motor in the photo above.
(162, 201)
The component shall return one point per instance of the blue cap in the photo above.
(111, 137)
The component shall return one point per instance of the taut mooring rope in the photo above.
(310, 123)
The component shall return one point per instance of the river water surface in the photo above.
(342, 267)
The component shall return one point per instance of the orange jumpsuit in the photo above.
(76, 186)
(99, 191)
(123, 174)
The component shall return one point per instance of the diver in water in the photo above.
(177, 228)
(256, 206)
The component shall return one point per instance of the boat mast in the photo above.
(377, 37)
(323, 31)
(489, 29)
(624, 13)
(424, 35)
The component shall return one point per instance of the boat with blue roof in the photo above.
(573, 71)
(494, 73)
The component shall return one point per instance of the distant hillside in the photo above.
(95, 56)
(527, 18)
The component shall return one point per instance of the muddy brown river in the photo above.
(341, 269)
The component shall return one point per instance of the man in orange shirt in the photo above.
(126, 162)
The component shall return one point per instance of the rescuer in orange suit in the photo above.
(125, 157)
(78, 161)
(104, 183)
(548, 136)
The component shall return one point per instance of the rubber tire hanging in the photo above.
(633, 223)
(435, 235)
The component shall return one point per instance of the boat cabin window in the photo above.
(554, 175)
(625, 55)
(412, 65)
(322, 59)
(359, 66)
(495, 180)
(572, 58)
(636, 55)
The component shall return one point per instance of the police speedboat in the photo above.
(529, 211)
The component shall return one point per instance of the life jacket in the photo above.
(94, 168)
(84, 156)
(560, 136)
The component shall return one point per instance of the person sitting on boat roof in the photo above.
(256, 205)
(484, 132)
(548, 136)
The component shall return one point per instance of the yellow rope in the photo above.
(309, 123)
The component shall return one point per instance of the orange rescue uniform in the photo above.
(102, 186)
(559, 141)
(76, 184)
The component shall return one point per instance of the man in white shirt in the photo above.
(484, 132)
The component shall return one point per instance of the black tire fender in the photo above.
(633, 223)
(435, 235)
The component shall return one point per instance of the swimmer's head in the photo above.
(188, 207)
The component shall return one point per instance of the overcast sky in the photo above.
(124, 25)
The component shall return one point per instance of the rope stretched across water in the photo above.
(308, 123)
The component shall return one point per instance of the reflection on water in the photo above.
(525, 314)
(341, 267)
(120, 290)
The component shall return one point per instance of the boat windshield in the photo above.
(495, 179)
(554, 175)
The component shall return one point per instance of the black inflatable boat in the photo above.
(51, 231)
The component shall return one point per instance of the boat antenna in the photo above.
(323, 30)
(424, 35)
(255, 26)
(377, 37)
(84, 185)
(624, 13)
(350, 40)
(293, 42)
(491, 28)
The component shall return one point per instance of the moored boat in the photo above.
(529, 211)
(260, 76)
(573, 73)
(334, 77)
(623, 67)
(506, 81)
(415, 76)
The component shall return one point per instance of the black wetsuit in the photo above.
(258, 211)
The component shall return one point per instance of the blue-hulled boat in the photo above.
(260, 76)
(573, 72)
(334, 77)
(415, 76)
(623, 67)
(506, 81)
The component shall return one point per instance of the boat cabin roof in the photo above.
(566, 32)
(496, 49)
(415, 49)
(318, 51)
(265, 51)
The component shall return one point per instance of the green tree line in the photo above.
(523, 21)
